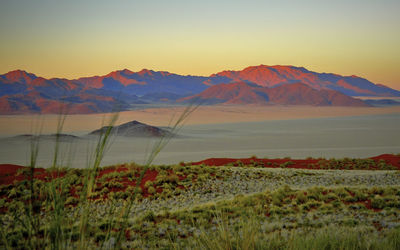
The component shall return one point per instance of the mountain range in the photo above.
(23, 92)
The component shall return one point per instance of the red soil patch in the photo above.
(6, 169)
(10, 173)
(14, 173)
(111, 170)
(388, 158)
(393, 160)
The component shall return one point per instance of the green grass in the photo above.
(281, 218)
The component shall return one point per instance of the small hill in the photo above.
(134, 129)
(62, 137)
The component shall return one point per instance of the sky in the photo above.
(72, 39)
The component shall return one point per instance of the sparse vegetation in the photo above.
(274, 217)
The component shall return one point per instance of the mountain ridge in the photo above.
(263, 75)
(23, 92)
(287, 94)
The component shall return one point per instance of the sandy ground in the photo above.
(281, 133)
(22, 124)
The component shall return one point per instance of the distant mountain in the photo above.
(134, 129)
(270, 76)
(23, 92)
(162, 97)
(149, 81)
(287, 94)
(382, 102)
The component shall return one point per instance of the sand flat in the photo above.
(345, 136)
(22, 124)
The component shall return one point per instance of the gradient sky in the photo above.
(83, 38)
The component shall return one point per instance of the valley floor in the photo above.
(218, 114)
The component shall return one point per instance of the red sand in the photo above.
(14, 173)
(6, 169)
(10, 173)
(388, 158)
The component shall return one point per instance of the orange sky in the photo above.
(83, 38)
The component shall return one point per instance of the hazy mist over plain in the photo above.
(355, 136)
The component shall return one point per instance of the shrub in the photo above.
(315, 193)
(330, 197)
(301, 198)
(104, 191)
(350, 222)
(133, 189)
(327, 208)
(377, 190)
(341, 192)
(350, 199)
(100, 236)
(148, 184)
(2, 202)
(377, 202)
(287, 164)
(151, 190)
(149, 216)
(71, 201)
(114, 184)
(120, 195)
(94, 195)
(172, 178)
(277, 198)
(392, 201)
(360, 195)
(313, 204)
(13, 193)
(304, 207)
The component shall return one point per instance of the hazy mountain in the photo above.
(23, 92)
(149, 81)
(270, 76)
(163, 97)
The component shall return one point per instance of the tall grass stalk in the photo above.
(227, 238)
(158, 146)
(247, 234)
(90, 178)
(56, 189)
(32, 222)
